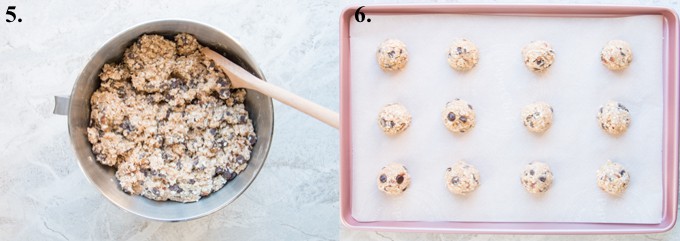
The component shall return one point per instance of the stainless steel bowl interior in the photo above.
(259, 106)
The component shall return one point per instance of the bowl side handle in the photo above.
(61, 104)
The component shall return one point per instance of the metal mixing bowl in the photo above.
(77, 108)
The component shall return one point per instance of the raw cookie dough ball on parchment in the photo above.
(612, 178)
(614, 118)
(463, 55)
(394, 119)
(538, 55)
(393, 179)
(536, 177)
(392, 55)
(458, 116)
(616, 55)
(537, 117)
(461, 178)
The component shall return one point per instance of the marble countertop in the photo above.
(45, 196)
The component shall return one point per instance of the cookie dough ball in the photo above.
(612, 178)
(538, 56)
(463, 55)
(537, 177)
(614, 118)
(458, 116)
(394, 119)
(393, 179)
(616, 55)
(537, 117)
(392, 55)
(461, 178)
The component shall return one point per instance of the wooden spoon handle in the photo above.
(243, 79)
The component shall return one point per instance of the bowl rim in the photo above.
(246, 57)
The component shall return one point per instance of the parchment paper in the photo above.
(500, 146)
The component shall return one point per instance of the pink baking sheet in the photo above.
(494, 226)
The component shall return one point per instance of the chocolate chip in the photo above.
(222, 82)
(448, 169)
(175, 188)
(155, 191)
(121, 93)
(463, 119)
(242, 119)
(451, 116)
(600, 110)
(212, 131)
(531, 172)
(383, 178)
(400, 179)
(539, 62)
(126, 125)
(240, 159)
(220, 143)
(470, 106)
(228, 175)
(623, 172)
(219, 170)
(455, 180)
(541, 178)
(623, 107)
(252, 139)
(459, 50)
(192, 181)
(174, 84)
(391, 54)
(224, 93)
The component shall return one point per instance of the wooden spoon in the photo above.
(240, 78)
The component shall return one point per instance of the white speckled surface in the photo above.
(44, 195)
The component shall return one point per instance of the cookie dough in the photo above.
(538, 55)
(393, 179)
(536, 177)
(612, 178)
(169, 122)
(392, 55)
(614, 118)
(458, 116)
(461, 178)
(616, 55)
(537, 117)
(463, 55)
(394, 119)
